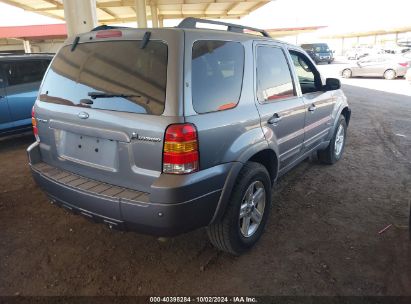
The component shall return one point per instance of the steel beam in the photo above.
(141, 13)
(80, 16)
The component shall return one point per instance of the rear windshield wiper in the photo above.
(95, 95)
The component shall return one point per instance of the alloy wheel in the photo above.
(339, 140)
(252, 209)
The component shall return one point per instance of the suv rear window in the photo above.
(111, 67)
(217, 75)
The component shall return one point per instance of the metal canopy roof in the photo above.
(291, 31)
(117, 11)
(403, 29)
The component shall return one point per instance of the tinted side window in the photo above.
(306, 77)
(307, 46)
(273, 75)
(2, 76)
(21, 72)
(46, 63)
(217, 75)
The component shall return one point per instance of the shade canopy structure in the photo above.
(292, 31)
(119, 11)
(393, 30)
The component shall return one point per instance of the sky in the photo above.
(338, 15)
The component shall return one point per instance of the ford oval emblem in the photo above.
(83, 115)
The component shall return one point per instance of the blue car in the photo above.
(20, 78)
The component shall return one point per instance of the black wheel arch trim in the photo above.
(346, 112)
(231, 179)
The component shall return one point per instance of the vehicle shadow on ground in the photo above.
(16, 141)
(321, 238)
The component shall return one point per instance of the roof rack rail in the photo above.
(191, 22)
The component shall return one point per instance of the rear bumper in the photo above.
(401, 72)
(176, 204)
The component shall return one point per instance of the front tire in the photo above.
(245, 217)
(335, 149)
(347, 73)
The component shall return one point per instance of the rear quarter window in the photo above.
(217, 75)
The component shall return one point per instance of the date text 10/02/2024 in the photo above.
(203, 299)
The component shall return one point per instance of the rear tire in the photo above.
(390, 74)
(232, 234)
(335, 149)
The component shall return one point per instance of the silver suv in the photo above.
(164, 131)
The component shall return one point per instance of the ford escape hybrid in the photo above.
(164, 131)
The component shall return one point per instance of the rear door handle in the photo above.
(274, 119)
(312, 108)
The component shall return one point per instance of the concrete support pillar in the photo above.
(160, 21)
(27, 47)
(141, 13)
(154, 14)
(342, 46)
(80, 16)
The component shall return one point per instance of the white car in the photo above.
(407, 56)
(358, 53)
(387, 66)
(408, 76)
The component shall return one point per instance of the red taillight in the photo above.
(109, 34)
(180, 152)
(404, 64)
(34, 123)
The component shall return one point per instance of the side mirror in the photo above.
(332, 84)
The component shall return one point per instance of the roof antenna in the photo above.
(145, 40)
(76, 40)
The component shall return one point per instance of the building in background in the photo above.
(32, 38)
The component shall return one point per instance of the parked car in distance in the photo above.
(355, 53)
(358, 53)
(407, 56)
(167, 130)
(387, 66)
(20, 78)
(319, 52)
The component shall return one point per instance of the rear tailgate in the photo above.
(118, 137)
